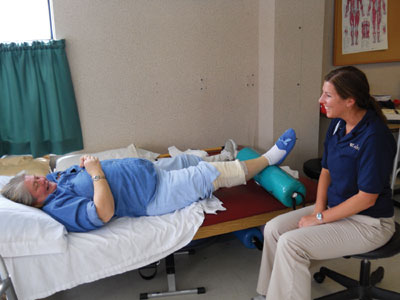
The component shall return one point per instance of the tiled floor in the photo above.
(227, 270)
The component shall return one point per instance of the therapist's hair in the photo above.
(16, 191)
(351, 82)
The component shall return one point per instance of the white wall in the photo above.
(161, 73)
(266, 73)
(291, 43)
(193, 73)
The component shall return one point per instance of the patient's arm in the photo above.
(103, 198)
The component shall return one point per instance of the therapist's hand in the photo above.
(309, 220)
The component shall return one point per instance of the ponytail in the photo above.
(351, 82)
(377, 108)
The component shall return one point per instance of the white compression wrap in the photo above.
(232, 174)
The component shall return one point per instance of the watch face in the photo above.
(98, 177)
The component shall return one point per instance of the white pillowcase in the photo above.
(13, 164)
(67, 161)
(27, 230)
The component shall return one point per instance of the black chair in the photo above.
(312, 168)
(364, 288)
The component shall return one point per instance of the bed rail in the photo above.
(6, 286)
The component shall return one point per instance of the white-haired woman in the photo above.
(87, 196)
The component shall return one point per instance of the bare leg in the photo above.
(255, 166)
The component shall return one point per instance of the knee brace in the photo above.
(232, 173)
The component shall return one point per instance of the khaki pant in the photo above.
(284, 270)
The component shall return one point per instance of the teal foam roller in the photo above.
(276, 181)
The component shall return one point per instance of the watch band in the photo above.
(98, 177)
(319, 217)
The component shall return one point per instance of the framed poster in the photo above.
(366, 31)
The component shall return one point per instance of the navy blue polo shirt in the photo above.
(361, 160)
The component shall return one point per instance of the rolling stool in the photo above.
(312, 168)
(364, 288)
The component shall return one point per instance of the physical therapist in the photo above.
(354, 211)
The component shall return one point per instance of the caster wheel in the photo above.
(377, 275)
(319, 277)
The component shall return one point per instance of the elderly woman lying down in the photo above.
(87, 196)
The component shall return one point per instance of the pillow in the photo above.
(12, 165)
(26, 230)
(142, 153)
(66, 161)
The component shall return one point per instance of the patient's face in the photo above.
(39, 187)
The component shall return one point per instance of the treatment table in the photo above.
(247, 206)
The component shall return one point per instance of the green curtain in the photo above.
(38, 112)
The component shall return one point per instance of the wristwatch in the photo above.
(98, 177)
(319, 217)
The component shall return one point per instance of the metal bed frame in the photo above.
(207, 232)
(6, 286)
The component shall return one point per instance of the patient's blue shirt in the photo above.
(139, 188)
(132, 182)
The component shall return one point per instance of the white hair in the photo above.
(16, 190)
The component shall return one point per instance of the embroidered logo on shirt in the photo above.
(355, 146)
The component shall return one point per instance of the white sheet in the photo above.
(123, 245)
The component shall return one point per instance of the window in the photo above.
(25, 20)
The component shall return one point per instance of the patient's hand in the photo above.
(102, 197)
(91, 164)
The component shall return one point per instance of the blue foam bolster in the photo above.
(276, 181)
(247, 236)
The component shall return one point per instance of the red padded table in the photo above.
(247, 206)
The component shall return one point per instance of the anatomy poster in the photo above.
(364, 25)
